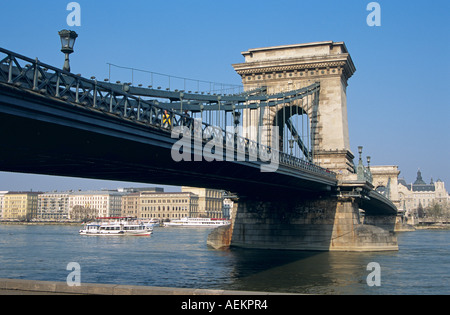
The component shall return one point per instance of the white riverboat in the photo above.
(117, 226)
(151, 223)
(197, 222)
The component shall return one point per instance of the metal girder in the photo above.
(299, 141)
(200, 102)
(254, 95)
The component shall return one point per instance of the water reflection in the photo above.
(180, 258)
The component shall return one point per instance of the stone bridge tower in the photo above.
(310, 220)
(290, 67)
(385, 180)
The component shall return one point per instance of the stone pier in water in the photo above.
(328, 224)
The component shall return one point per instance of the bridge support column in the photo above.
(328, 224)
(386, 222)
(285, 68)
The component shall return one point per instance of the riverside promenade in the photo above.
(33, 287)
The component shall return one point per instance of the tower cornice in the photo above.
(312, 56)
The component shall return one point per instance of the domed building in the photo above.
(421, 195)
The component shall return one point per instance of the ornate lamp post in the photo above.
(237, 118)
(360, 169)
(67, 42)
(360, 152)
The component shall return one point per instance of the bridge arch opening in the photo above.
(294, 136)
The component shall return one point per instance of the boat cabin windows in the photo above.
(110, 228)
(134, 227)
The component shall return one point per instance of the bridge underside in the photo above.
(45, 136)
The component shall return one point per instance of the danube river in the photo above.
(179, 257)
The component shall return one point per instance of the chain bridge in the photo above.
(281, 145)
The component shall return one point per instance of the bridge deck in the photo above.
(47, 136)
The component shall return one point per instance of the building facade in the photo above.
(85, 205)
(152, 203)
(167, 206)
(228, 208)
(421, 195)
(20, 205)
(210, 202)
(53, 206)
(131, 205)
(2, 195)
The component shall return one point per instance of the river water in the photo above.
(179, 257)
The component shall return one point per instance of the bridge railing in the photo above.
(75, 89)
(364, 173)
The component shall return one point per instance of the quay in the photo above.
(33, 287)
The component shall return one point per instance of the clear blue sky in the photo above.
(398, 105)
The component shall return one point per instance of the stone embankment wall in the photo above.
(29, 287)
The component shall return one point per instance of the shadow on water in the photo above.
(419, 267)
(305, 272)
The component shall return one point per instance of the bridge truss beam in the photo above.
(164, 110)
